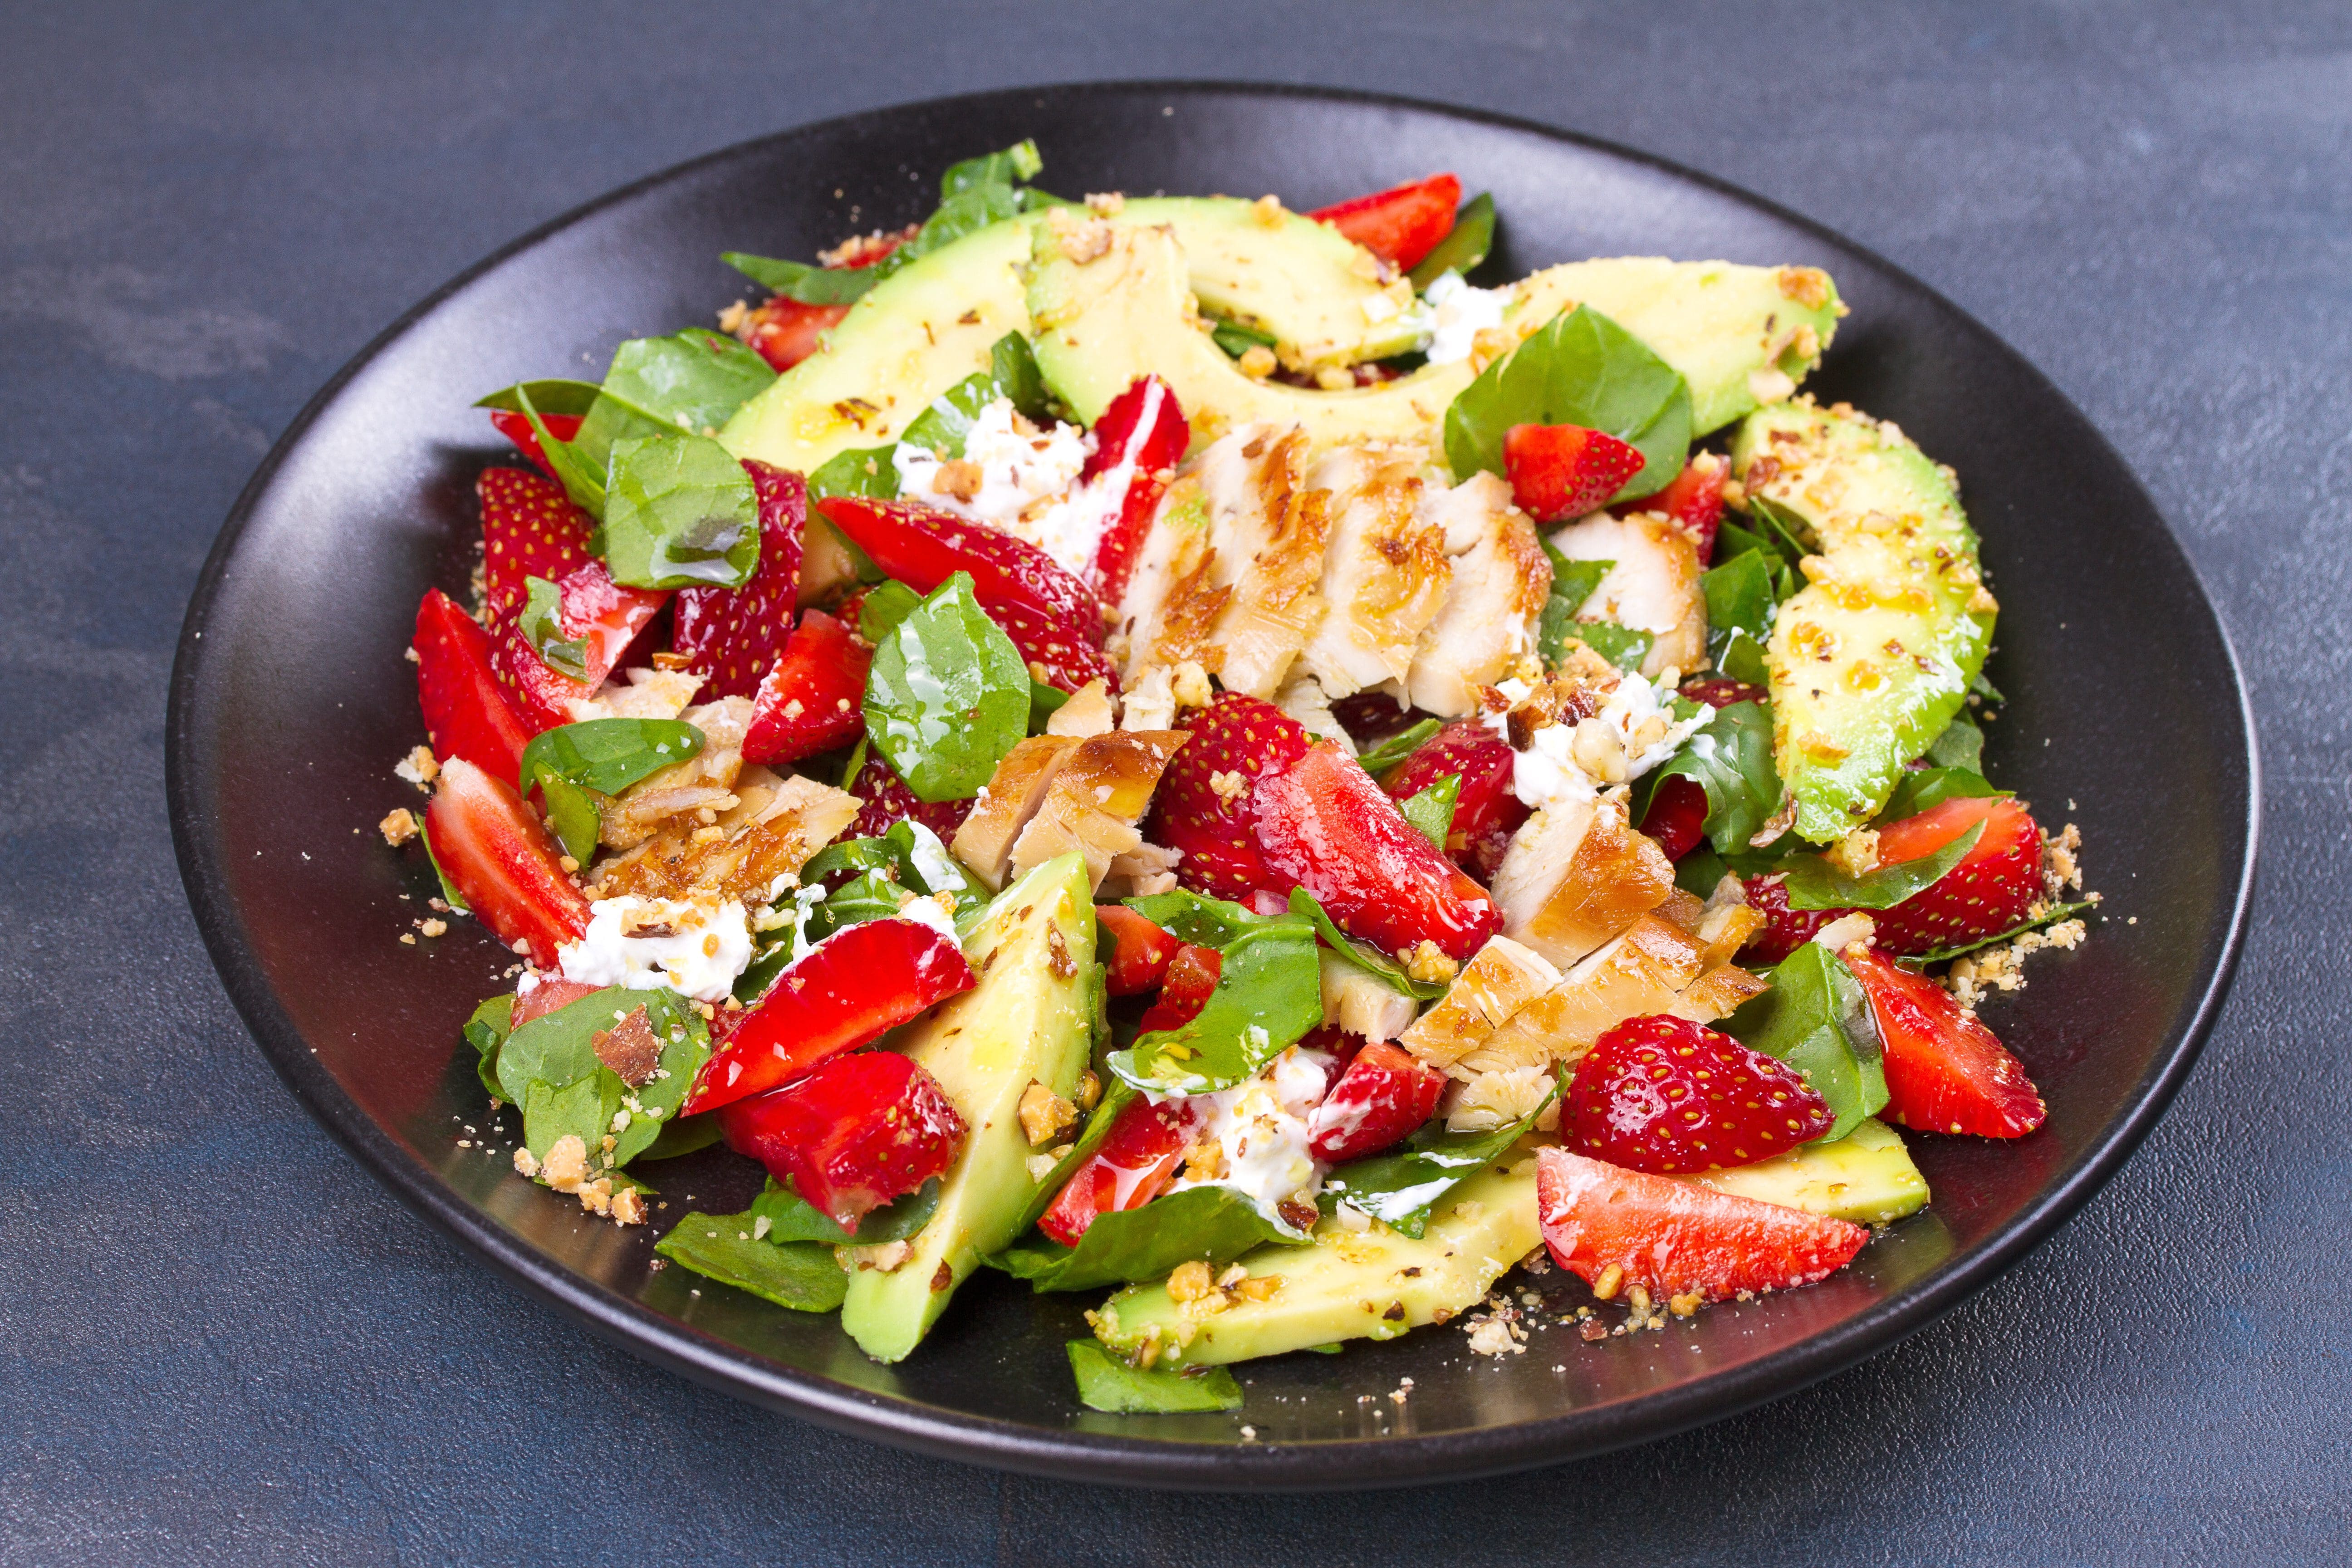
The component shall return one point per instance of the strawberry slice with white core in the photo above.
(731, 635)
(466, 711)
(813, 698)
(1614, 1227)
(1139, 441)
(496, 854)
(1202, 807)
(1946, 1072)
(1383, 1095)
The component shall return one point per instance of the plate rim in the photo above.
(1356, 1463)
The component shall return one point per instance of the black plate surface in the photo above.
(290, 702)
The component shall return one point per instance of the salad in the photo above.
(1187, 752)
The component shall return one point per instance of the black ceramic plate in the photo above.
(291, 701)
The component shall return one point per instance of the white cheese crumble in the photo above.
(1260, 1130)
(1457, 314)
(1024, 485)
(1546, 773)
(933, 864)
(694, 947)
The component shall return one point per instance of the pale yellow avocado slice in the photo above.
(1347, 1285)
(1026, 1021)
(1865, 1176)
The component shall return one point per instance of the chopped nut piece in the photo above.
(1683, 1305)
(629, 1048)
(1605, 1288)
(419, 767)
(1045, 1115)
(1427, 964)
(1257, 361)
(398, 827)
(1107, 203)
(434, 927)
(1190, 1281)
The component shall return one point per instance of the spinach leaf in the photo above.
(550, 1068)
(946, 695)
(486, 1031)
(1269, 993)
(1015, 164)
(684, 1135)
(1789, 535)
(608, 755)
(1362, 954)
(1810, 882)
(1013, 374)
(909, 854)
(679, 512)
(1572, 582)
(692, 381)
(872, 896)
(2046, 916)
(1237, 338)
(541, 625)
(864, 471)
(1817, 1020)
(1730, 757)
(1472, 236)
(1379, 759)
(449, 893)
(1115, 1097)
(1402, 1187)
(1924, 788)
(1582, 369)
(1620, 646)
(1962, 745)
(802, 281)
(1979, 686)
(1739, 610)
(1216, 1224)
(792, 1217)
(1431, 811)
(583, 480)
(1109, 1385)
(803, 1276)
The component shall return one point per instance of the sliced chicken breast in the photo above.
(1652, 586)
(1268, 527)
(1499, 580)
(1095, 799)
(1384, 572)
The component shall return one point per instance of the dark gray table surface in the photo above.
(220, 1340)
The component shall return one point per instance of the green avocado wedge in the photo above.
(1867, 1176)
(1871, 659)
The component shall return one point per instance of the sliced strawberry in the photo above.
(466, 713)
(495, 852)
(1384, 1094)
(856, 1133)
(1562, 471)
(1326, 826)
(1140, 960)
(887, 800)
(814, 697)
(603, 615)
(1993, 889)
(1672, 1237)
(1133, 1165)
(1946, 1072)
(1486, 813)
(1191, 979)
(849, 989)
(1721, 691)
(1784, 929)
(1138, 441)
(1055, 655)
(1693, 500)
(1664, 1094)
(785, 331)
(530, 529)
(1400, 224)
(1236, 735)
(923, 546)
(732, 636)
(551, 993)
(516, 426)
(1677, 816)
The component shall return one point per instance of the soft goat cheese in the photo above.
(694, 948)
(1457, 314)
(1548, 773)
(1261, 1129)
(1025, 484)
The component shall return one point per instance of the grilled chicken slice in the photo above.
(1303, 698)
(1093, 799)
(1577, 873)
(1384, 572)
(1652, 586)
(1145, 869)
(1488, 1100)
(1014, 792)
(772, 829)
(1641, 971)
(1718, 993)
(1361, 1003)
(646, 694)
(1269, 527)
(1501, 978)
(1171, 598)
(704, 781)
(1498, 582)
(1088, 712)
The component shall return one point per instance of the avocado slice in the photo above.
(1873, 658)
(1373, 1284)
(1027, 1021)
(1865, 1176)
(1719, 324)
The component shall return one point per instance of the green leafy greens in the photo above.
(573, 764)
(679, 512)
(1581, 368)
(1011, 374)
(791, 1218)
(1108, 1384)
(541, 625)
(802, 1275)
(1817, 1020)
(1363, 954)
(550, 1068)
(1431, 811)
(1464, 248)
(1215, 1224)
(1388, 753)
(1269, 993)
(947, 696)
(1812, 883)
(1730, 757)
(1402, 1187)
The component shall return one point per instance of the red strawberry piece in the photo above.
(1133, 1165)
(1055, 655)
(785, 331)
(1486, 813)
(1243, 737)
(1675, 1237)
(1400, 224)
(1784, 929)
(1721, 691)
(851, 987)
(887, 800)
(1946, 1072)
(516, 426)
(1192, 980)
(814, 697)
(495, 852)
(1384, 1094)
(1141, 958)
(598, 612)
(1371, 717)
(466, 713)
(733, 635)
(1692, 502)
(1993, 889)
(1138, 441)
(1677, 816)
(1562, 471)
(1335, 1042)
(1664, 1094)
(923, 546)
(1326, 826)
(856, 1133)
(530, 529)
(552, 994)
